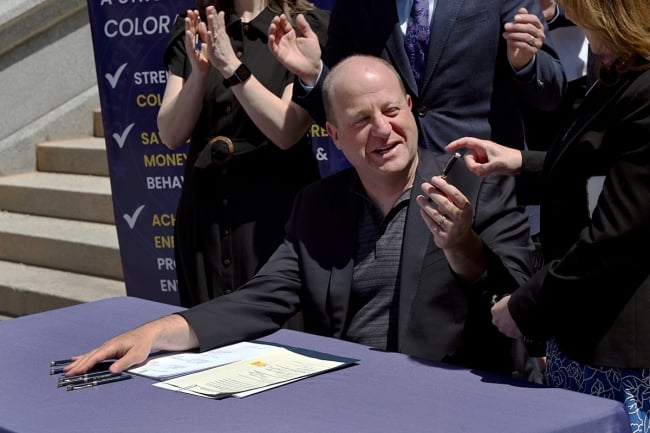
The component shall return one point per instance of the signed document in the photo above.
(264, 371)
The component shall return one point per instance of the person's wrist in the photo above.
(239, 76)
(309, 80)
(228, 69)
(466, 258)
(518, 162)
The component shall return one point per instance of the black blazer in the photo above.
(469, 86)
(593, 297)
(439, 318)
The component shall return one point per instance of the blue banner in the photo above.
(129, 39)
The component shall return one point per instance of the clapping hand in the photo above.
(300, 54)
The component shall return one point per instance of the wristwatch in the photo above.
(242, 73)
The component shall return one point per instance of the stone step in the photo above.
(29, 289)
(74, 246)
(59, 195)
(85, 155)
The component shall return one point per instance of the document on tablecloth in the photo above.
(172, 365)
(264, 371)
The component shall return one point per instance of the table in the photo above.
(385, 392)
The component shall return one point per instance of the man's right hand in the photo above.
(133, 347)
(299, 54)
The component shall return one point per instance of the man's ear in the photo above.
(409, 100)
(333, 133)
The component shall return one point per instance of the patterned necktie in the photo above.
(416, 38)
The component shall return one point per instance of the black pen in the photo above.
(450, 163)
(89, 374)
(99, 382)
(60, 362)
(86, 377)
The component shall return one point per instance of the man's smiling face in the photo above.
(372, 120)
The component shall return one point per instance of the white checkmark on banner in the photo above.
(114, 78)
(121, 138)
(131, 219)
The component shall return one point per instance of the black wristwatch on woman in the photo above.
(242, 73)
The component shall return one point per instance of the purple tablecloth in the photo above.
(385, 392)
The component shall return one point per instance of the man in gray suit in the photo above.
(388, 254)
(485, 60)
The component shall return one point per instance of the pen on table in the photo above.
(56, 370)
(86, 377)
(450, 163)
(121, 376)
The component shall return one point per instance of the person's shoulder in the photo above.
(641, 79)
(637, 88)
(317, 14)
(175, 43)
(177, 31)
(318, 20)
(179, 23)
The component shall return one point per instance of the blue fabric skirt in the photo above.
(629, 386)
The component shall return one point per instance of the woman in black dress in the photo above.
(249, 151)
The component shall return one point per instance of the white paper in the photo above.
(178, 364)
(265, 370)
(167, 386)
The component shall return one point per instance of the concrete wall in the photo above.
(48, 85)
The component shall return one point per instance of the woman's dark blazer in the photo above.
(593, 296)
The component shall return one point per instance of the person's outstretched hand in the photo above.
(299, 53)
(484, 157)
(133, 347)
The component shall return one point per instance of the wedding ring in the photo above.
(441, 221)
(531, 41)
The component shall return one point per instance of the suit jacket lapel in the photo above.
(345, 218)
(338, 303)
(398, 57)
(395, 51)
(444, 17)
(417, 239)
